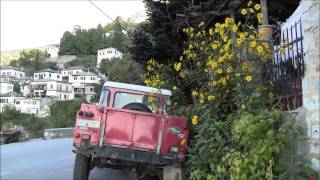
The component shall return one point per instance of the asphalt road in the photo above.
(45, 160)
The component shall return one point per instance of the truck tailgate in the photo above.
(132, 129)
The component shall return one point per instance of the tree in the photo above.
(126, 71)
(165, 29)
(67, 44)
(142, 47)
(88, 41)
(32, 61)
(87, 61)
(63, 113)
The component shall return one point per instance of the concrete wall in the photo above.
(310, 82)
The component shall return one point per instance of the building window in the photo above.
(58, 76)
(65, 96)
(49, 74)
(75, 78)
(91, 89)
(35, 75)
(66, 88)
(17, 102)
(51, 86)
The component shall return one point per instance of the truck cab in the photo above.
(129, 129)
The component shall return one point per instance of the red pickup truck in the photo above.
(129, 129)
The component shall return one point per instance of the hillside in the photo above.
(8, 56)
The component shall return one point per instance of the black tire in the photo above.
(137, 107)
(81, 167)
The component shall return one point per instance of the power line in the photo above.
(106, 15)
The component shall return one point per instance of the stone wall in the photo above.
(311, 80)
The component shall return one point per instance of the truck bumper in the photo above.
(125, 154)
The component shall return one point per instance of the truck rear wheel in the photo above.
(81, 167)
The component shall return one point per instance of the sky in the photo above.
(30, 24)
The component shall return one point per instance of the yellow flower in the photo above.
(217, 25)
(211, 98)
(249, 3)
(201, 98)
(201, 24)
(234, 28)
(195, 120)
(229, 69)
(265, 45)
(223, 81)
(281, 50)
(253, 44)
(251, 11)
(220, 59)
(190, 46)
(211, 31)
(259, 49)
(257, 7)
(177, 66)
(243, 106)
(228, 21)
(214, 46)
(182, 75)
(243, 11)
(150, 99)
(195, 93)
(219, 71)
(174, 87)
(248, 78)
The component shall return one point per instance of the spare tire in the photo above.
(137, 107)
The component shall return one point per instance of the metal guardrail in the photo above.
(58, 133)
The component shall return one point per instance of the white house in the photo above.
(39, 107)
(83, 84)
(54, 89)
(52, 51)
(72, 70)
(75, 29)
(47, 74)
(6, 87)
(84, 90)
(84, 78)
(9, 99)
(108, 53)
(12, 72)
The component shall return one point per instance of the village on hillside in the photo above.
(37, 92)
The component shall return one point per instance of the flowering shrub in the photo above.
(235, 130)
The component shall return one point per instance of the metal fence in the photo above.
(287, 68)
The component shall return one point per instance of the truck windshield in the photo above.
(122, 99)
(104, 97)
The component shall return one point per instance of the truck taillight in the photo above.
(77, 135)
(80, 113)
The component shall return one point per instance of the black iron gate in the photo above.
(287, 68)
